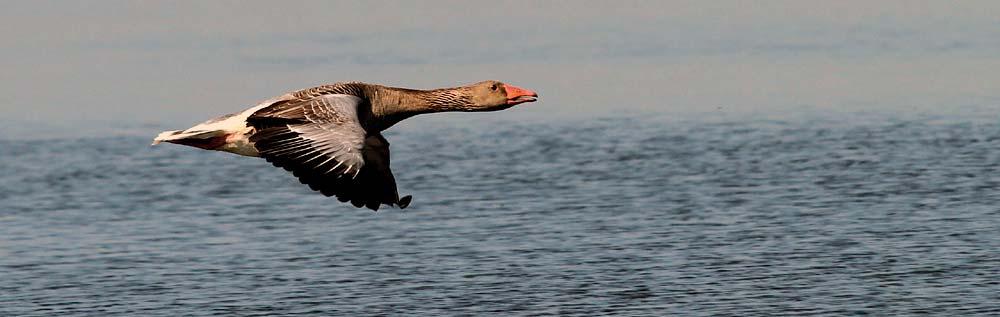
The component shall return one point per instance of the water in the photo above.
(619, 216)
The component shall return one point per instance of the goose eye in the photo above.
(494, 87)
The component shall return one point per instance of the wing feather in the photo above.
(321, 141)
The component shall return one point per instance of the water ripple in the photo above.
(601, 217)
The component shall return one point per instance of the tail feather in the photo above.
(227, 133)
(178, 135)
(163, 136)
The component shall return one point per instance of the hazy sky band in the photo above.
(79, 63)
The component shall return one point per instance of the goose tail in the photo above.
(197, 137)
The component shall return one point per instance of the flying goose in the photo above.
(330, 136)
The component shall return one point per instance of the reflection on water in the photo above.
(586, 217)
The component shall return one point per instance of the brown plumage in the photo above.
(330, 136)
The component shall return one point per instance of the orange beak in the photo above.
(516, 95)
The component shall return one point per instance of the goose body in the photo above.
(330, 137)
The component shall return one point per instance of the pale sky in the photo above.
(104, 65)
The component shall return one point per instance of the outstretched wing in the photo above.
(321, 141)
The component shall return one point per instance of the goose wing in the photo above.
(321, 141)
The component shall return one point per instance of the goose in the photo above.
(330, 136)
